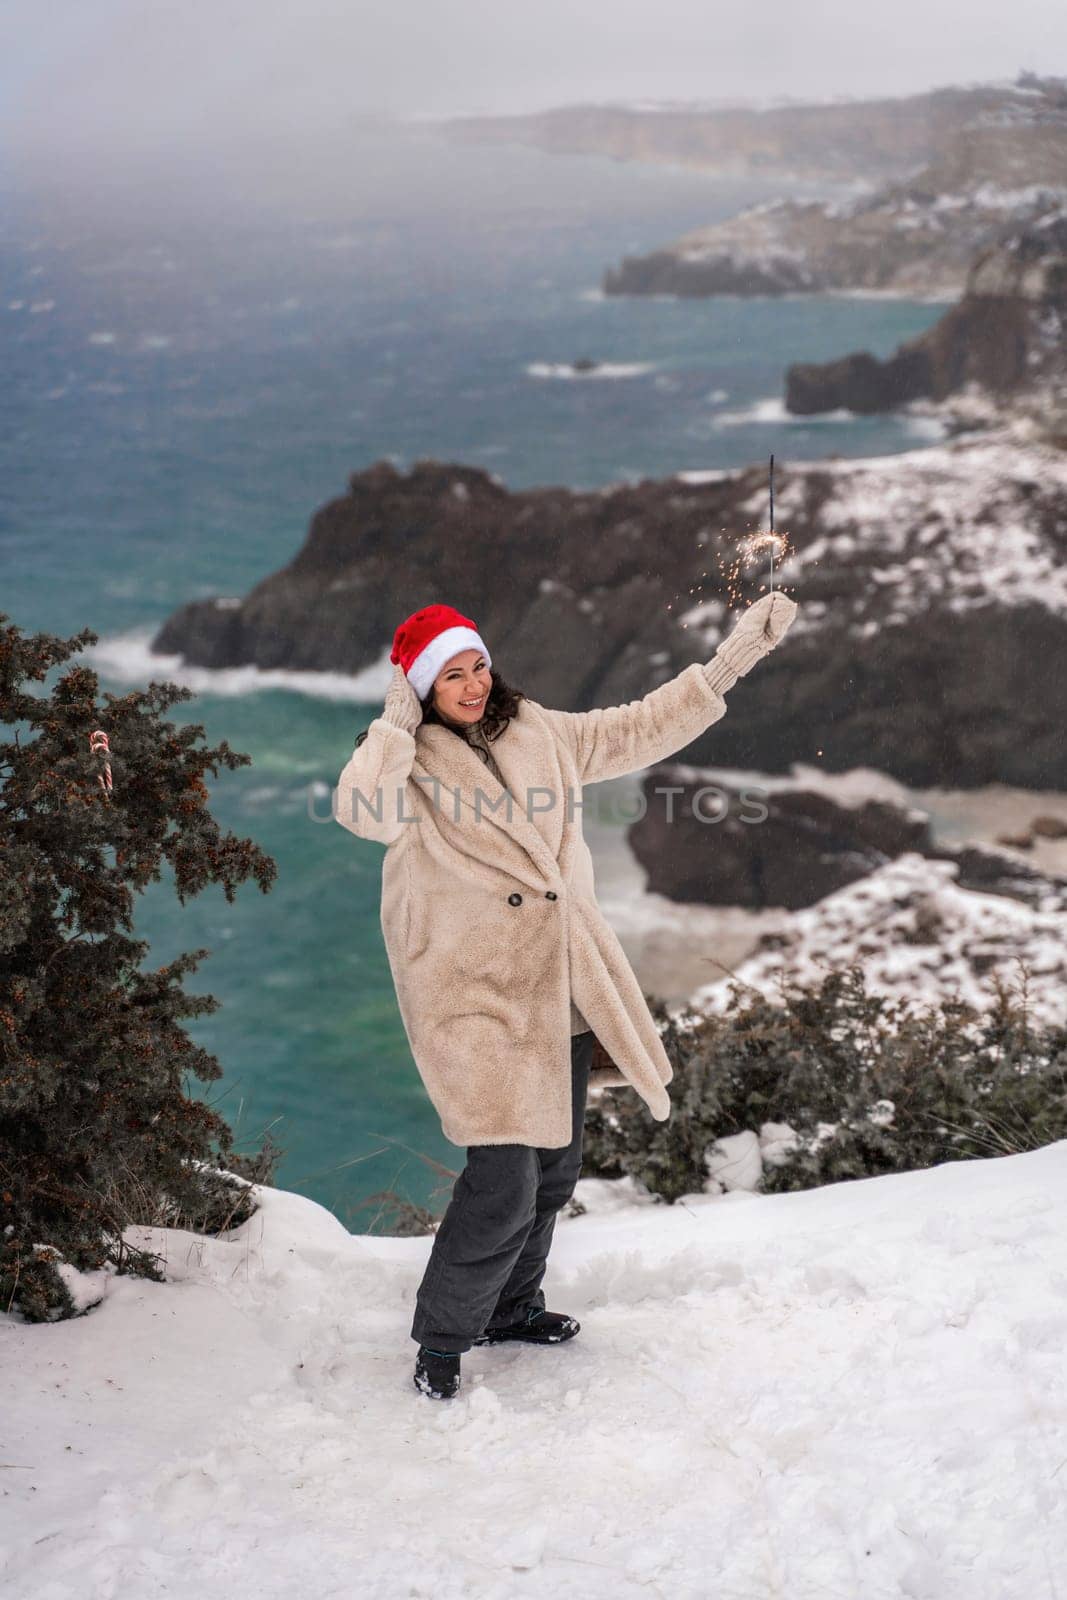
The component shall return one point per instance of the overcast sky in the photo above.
(100, 78)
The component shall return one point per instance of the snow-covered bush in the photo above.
(835, 1082)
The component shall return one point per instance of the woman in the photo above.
(504, 966)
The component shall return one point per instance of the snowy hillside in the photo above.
(959, 527)
(851, 1391)
(918, 936)
(915, 235)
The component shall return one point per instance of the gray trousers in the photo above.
(489, 1252)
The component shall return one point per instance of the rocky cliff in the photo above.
(1003, 168)
(838, 140)
(705, 839)
(931, 642)
(1007, 335)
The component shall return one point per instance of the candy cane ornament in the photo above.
(98, 745)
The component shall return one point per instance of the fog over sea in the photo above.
(186, 382)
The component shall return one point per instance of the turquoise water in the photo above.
(184, 386)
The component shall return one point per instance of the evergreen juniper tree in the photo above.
(97, 1129)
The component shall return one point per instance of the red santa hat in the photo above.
(428, 639)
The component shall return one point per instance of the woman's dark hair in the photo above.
(501, 705)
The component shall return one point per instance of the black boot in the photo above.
(437, 1373)
(540, 1327)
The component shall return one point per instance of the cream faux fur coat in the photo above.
(490, 922)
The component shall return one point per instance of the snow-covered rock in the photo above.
(931, 639)
(790, 842)
(929, 643)
(735, 1162)
(915, 235)
(919, 937)
(1005, 337)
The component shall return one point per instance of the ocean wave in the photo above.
(946, 295)
(920, 424)
(772, 410)
(605, 369)
(698, 475)
(924, 425)
(127, 658)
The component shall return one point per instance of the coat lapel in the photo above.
(524, 752)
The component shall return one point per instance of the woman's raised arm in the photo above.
(369, 796)
(613, 740)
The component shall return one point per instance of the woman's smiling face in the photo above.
(462, 687)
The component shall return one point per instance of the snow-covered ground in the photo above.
(857, 1391)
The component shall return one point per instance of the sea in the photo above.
(188, 374)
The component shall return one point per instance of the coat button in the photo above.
(514, 899)
(550, 894)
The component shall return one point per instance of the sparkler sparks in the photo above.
(747, 551)
(765, 541)
(755, 544)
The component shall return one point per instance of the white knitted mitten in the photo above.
(402, 708)
(761, 627)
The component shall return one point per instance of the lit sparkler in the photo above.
(750, 548)
(753, 545)
(746, 550)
